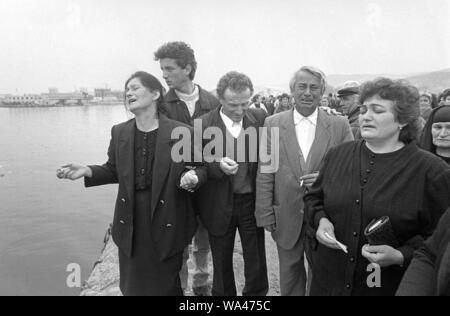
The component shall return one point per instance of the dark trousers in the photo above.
(253, 248)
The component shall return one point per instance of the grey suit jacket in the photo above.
(279, 196)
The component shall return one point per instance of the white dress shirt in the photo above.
(233, 127)
(305, 129)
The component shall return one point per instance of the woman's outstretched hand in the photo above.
(73, 171)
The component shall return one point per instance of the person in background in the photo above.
(426, 100)
(153, 219)
(434, 102)
(185, 102)
(380, 175)
(348, 95)
(270, 105)
(325, 102)
(306, 134)
(258, 104)
(429, 272)
(445, 97)
(284, 105)
(436, 134)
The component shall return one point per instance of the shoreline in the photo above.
(104, 278)
(6, 106)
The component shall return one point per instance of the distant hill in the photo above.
(435, 81)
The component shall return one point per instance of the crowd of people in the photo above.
(358, 185)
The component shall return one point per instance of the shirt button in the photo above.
(357, 202)
(123, 200)
(365, 180)
(162, 202)
(368, 171)
(122, 222)
(352, 260)
(348, 286)
(355, 234)
(372, 163)
(142, 171)
(169, 225)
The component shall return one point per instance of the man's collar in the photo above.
(192, 95)
(312, 118)
(171, 95)
(228, 122)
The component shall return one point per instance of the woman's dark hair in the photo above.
(152, 84)
(406, 103)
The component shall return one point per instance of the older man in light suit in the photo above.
(306, 133)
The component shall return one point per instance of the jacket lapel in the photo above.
(161, 164)
(126, 156)
(291, 146)
(320, 143)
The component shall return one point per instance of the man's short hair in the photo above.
(235, 81)
(181, 52)
(313, 71)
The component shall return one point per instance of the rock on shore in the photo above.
(104, 279)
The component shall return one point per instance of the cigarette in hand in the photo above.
(340, 245)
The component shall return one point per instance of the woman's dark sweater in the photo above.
(404, 185)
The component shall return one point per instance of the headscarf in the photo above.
(438, 115)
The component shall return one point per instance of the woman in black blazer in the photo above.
(153, 219)
(385, 174)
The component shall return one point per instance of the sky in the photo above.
(73, 44)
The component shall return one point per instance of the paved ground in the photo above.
(104, 279)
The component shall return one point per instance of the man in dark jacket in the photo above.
(227, 200)
(185, 102)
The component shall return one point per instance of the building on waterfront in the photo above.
(53, 98)
(24, 99)
(67, 98)
(107, 95)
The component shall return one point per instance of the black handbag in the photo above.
(380, 232)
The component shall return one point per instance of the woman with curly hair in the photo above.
(383, 175)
